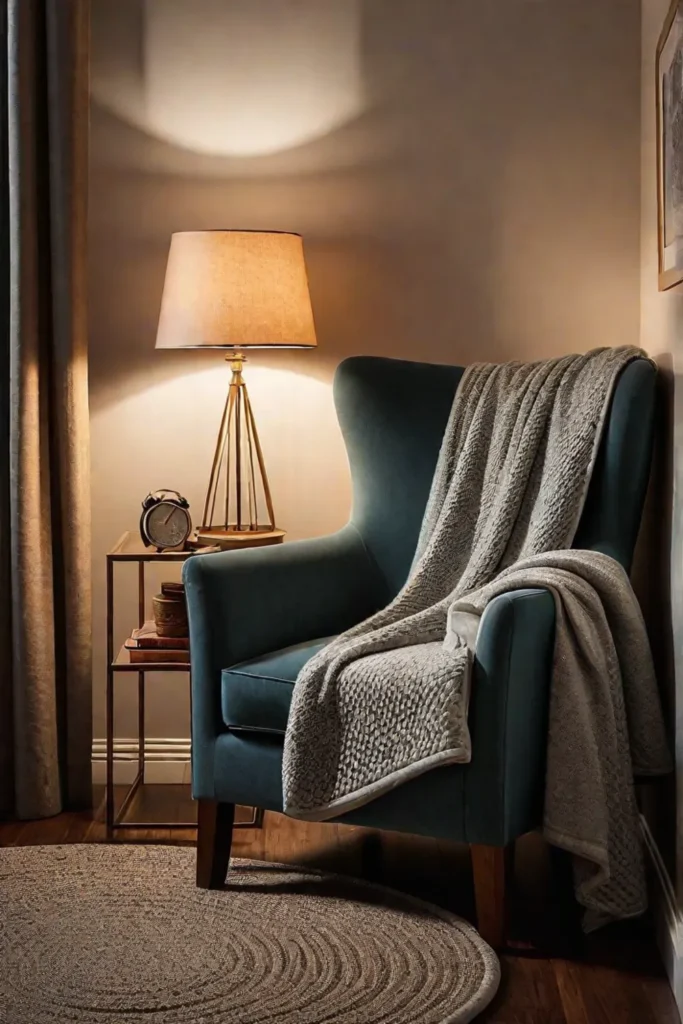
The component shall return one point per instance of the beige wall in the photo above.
(662, 336)
(464, 173)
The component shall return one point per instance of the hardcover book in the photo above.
(146, 655)
(146, 638)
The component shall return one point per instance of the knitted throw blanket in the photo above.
(388, 699)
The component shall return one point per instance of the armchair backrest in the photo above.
(393, 414)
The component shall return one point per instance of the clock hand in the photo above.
(168, 517)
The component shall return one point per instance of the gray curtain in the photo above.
(45, 643)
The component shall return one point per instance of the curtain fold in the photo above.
(45, 614)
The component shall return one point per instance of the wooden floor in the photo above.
(551, 974)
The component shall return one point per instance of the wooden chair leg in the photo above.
(214, 836)
(489, 867)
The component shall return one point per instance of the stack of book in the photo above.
(145, 644)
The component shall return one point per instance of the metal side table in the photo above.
(132, 550)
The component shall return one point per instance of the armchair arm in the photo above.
(245, 603)
(509, 716)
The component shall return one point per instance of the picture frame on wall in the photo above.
(670, 148)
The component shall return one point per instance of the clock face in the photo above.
(167, 526)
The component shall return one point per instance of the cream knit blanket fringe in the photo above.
(388, 699)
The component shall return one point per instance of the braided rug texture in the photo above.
(121, 934)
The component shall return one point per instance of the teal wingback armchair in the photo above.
(257, 616)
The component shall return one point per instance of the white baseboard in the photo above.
(166, 761)
(667, 916)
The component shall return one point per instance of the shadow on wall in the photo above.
(457, 186)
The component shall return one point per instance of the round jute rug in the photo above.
(120, 934)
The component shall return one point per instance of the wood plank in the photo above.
(80, 826)
(571, 994)
(10, 832)
(45, 832)
(593, 994)
(528, 994)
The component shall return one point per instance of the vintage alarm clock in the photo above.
(165, 521)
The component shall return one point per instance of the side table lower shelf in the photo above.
(119, 822)
(116, 819)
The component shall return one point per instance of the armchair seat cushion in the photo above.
(256, 694)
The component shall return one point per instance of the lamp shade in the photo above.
(236, 289)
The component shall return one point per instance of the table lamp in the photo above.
(236, 290)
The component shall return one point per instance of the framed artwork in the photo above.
(670, 147)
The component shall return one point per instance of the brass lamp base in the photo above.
(238, 461)
(230, 540)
